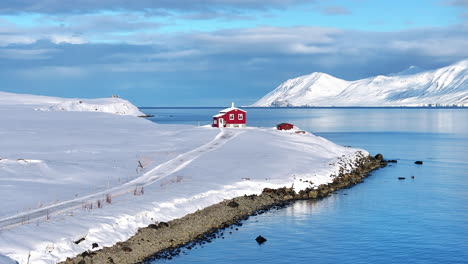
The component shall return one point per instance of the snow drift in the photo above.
(45, 103)
(447, 86)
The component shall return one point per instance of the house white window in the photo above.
(240, 116)
(215, 121)
(231, 117)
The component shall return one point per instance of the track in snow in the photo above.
(159, 172)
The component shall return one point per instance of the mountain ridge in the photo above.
(447, 86)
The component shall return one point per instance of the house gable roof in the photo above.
(231, 109)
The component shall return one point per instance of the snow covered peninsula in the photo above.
(446, 86)
(44, 103)
(79, 175)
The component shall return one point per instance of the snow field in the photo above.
(55, 165)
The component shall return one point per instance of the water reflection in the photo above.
(306, 208)
(442, 120)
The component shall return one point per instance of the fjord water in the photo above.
(383, 220)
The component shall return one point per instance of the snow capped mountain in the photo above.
(446, 86)
(409, 71)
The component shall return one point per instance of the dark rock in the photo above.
(418, 162)
(392, 161)
(153, 226)
(412, 177)
(86, 254)
(126, 249)
(79, 240)
(379, 157)
(260, 240)
(163, 224)
(233, 204)
(95, 245)
(268, 190)
(110, 260)
(401, 178)
(82, 262)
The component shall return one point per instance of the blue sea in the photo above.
(383, 220)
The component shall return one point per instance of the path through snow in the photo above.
(159, 172)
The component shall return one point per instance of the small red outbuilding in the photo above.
(230, 117)
(284, 126)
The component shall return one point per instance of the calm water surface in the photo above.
(383, 220)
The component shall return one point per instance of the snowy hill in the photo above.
(446, 86)
(68, 175)
(45, 103)
(409, 71)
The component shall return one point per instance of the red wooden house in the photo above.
(230, 117)
(284, 126)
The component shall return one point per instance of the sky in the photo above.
(213, 52)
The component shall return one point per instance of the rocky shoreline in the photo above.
(166, 239)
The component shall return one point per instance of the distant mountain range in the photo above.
(414, 86)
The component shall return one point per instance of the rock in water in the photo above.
(260, 240)
(379, 157)
(401, 178)
(418, 162)
(95, 245)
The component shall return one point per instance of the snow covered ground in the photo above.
(44, 103)
(446, 86)
(58, 168)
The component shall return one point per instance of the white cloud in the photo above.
(27, 54)
(53, 72)
(6, 40)
(59, 39)
(434, 47)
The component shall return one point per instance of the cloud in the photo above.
(336, 10)
(461, 3)
(86, 6)
(244, 63)
(27, 54)
(223, 15)
(52, 72)
(261, 40)
(59, 39)
(106, 23)
(238, 46)
(7, 39)
(79, 29)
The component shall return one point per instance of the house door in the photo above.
(221, 122)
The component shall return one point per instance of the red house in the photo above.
(230, 117)
(284, 126)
